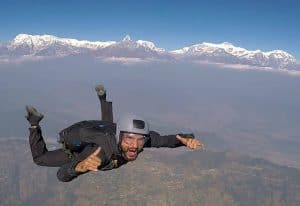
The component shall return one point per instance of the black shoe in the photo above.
(33, 116)
(101, 92)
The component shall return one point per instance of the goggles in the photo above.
(130, 138)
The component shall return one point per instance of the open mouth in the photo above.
(132, 153)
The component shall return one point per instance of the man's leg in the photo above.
(40, 154)
(106, 107)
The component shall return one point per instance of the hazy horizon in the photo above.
(253, 111)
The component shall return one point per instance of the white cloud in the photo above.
(128, 60)
(243, 67)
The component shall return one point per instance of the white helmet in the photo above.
(132, 124)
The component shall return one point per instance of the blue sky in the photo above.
(265, 24)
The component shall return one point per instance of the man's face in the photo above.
(131, 145)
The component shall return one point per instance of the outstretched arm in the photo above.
(156, 140)
(172, 141)
(191, 143)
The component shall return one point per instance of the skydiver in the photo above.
(120, 144)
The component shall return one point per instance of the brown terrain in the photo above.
(157, 177)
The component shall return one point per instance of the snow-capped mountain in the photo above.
(47, 45)
(132, 49)
(41, 41)
(227, 53)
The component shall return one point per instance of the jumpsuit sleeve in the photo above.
(67, 172)
(157, 140)
(40, 154)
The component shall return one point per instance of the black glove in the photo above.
(101, 92)
(33, 116)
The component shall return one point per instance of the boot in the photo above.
(101, 92)
(33, 116)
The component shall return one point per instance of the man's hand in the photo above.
(91, 163)
(190, 142)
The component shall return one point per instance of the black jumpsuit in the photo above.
(59, 158)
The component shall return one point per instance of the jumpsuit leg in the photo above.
(106, 107)
(40, 154)
(106, 110)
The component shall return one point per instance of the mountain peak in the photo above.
(219, 45)
(22, 37)
(126, 38)
(149, 45)
(227, 44)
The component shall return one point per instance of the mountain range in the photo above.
(31, 46)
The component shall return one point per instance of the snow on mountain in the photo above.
(227, 53)
(140, 44)
(48, 45)
(150, 45)
(41, 41)
(132, 49)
